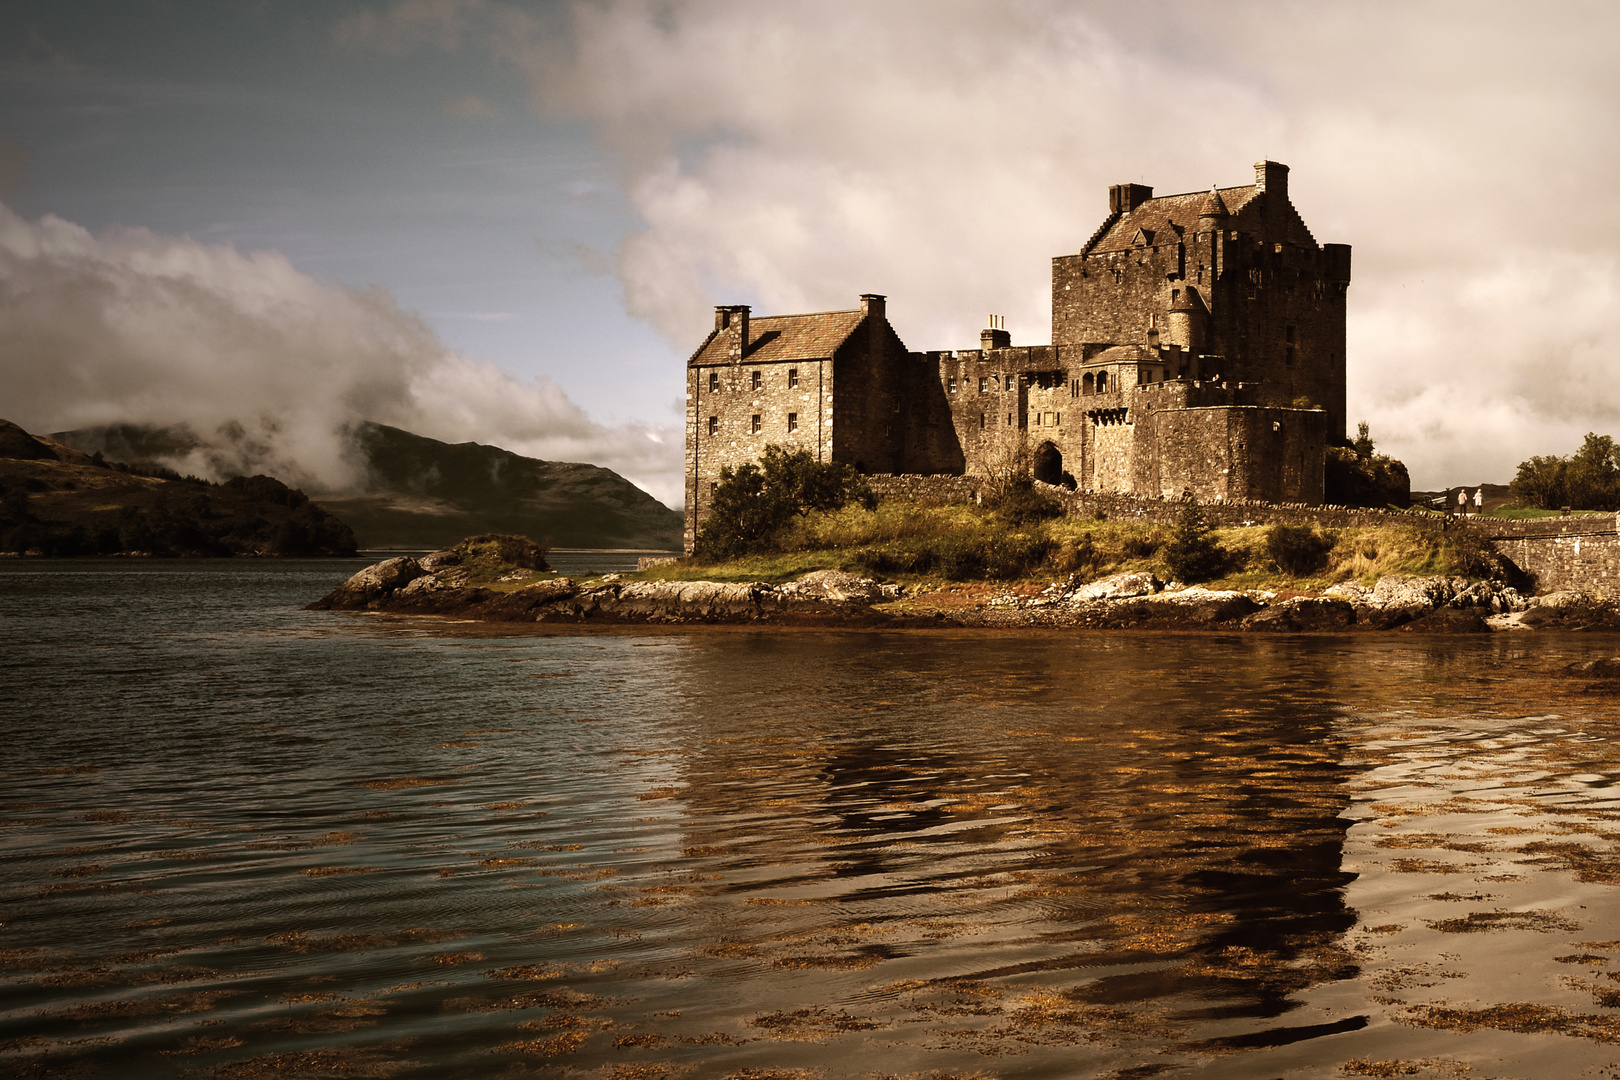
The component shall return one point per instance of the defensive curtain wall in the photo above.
(1580, 552)
(1197, 350)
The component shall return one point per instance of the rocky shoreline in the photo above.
(438, 585)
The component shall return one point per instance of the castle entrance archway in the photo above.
(1047, 466)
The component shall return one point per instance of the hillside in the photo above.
(423, 493)
(58, 500)
(427, 493)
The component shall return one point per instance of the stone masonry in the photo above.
(1197, 348)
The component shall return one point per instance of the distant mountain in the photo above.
(423, 493)
(58, 500)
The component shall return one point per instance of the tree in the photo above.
(1593, 479)
(1363, 444)
(1359, 476)
(806, 484)
(1192, 554)
(752, 503)
(1589, 479)
(1540, 482)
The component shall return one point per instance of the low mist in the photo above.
(269, 368)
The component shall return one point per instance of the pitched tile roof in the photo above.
(786, 337)
(1162, 220)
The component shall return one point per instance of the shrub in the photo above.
(1298, 550)
(752, 504)
(1018, 503)
(500, 550)
(1192, 553)
(1143, 545)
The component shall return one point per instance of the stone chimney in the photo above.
(729, 317)
(874, 306)
(1123, 198)
(1271, 176)
(995, 336)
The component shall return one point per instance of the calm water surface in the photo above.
(239, 840)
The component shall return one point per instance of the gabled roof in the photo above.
(1168, 217)
(773, 338)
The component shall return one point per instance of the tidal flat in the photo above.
(241, 839)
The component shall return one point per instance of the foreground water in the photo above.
(243, 840)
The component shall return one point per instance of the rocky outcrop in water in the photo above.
(447, 583)
(1141, 601)
(437, 586)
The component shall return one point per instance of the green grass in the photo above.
(1522, 512)
(909, 543)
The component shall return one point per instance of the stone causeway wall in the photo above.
(1580, 552)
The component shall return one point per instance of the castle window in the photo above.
(714, 382)
(950, 384)
(713, 487)
(714, 425)
(1102, 382)
(754, 380)
(1012, 383)
(981, 421)
(1009, 419)
(793, 378)
(1059, 421)
(753, 424)
(793, 421)
(984, 387)
(1088, 384)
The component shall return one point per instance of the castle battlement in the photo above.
(1197, 346)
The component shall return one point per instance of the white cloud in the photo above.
(941, 151)
(271, 365)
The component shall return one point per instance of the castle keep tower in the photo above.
(1197, 348)
(1232, 272)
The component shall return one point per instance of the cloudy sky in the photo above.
(508, 221)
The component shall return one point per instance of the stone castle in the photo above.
(1197, 348)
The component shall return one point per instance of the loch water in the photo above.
(239, 839)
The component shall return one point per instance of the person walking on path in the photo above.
(1462, 501)
(1479, 501)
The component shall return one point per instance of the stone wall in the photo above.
(722, 404)
(925, 490)
(1580, 552)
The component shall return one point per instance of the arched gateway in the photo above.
(1047, 466)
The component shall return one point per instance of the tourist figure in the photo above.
(1479, 501)
(1462, 501)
